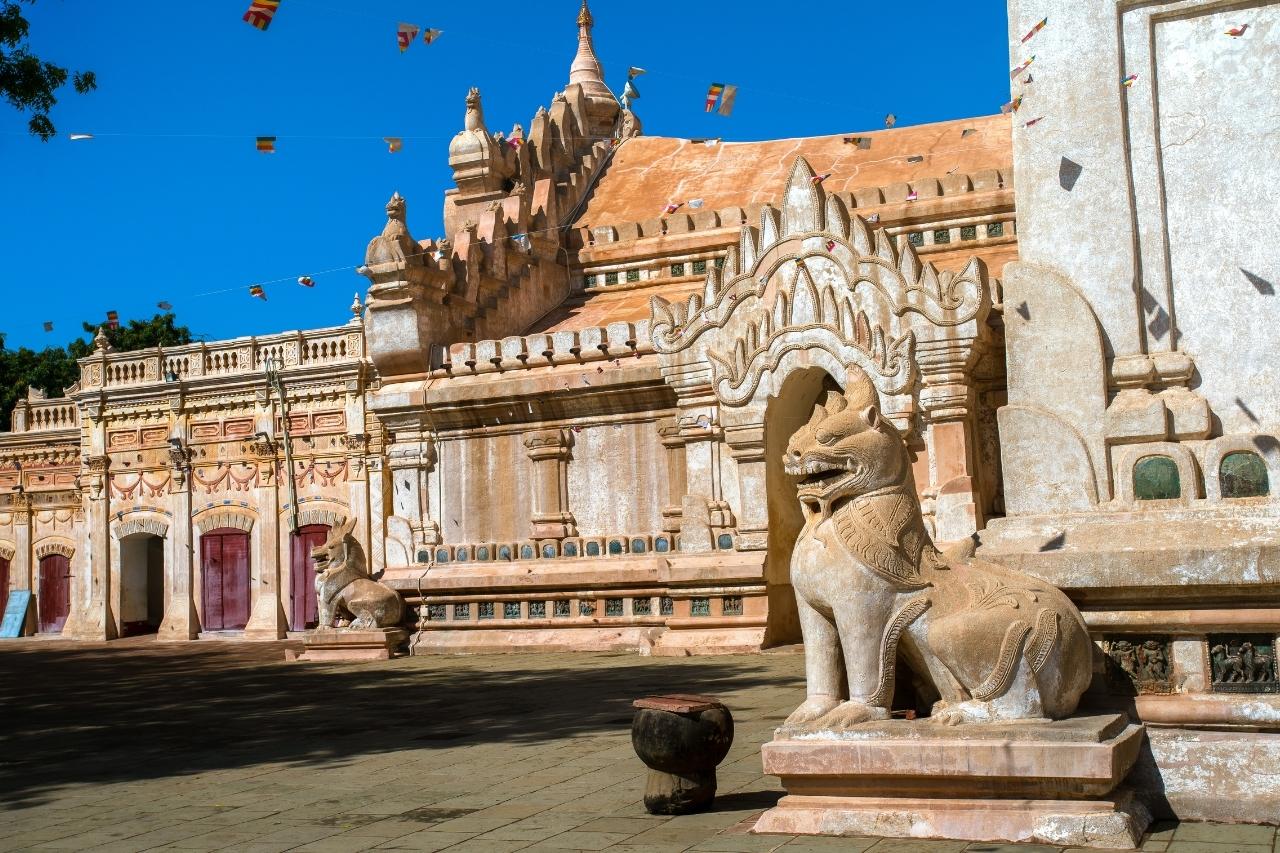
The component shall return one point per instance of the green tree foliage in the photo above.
(54, 369)
(27, 82)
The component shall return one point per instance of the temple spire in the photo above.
(586, 69)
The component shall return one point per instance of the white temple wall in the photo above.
(618, 478)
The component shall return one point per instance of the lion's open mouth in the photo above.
(816, 472)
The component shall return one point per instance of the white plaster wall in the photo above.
(618, 479)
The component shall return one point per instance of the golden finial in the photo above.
(584, 16)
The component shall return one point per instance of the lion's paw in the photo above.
(852, 713)
(960, 713)
(813, 708)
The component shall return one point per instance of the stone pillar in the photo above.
(550, 451)
(747, 446)
(358, 491)
(90, 617)
(672, 510)
(181, 621)
(22, 568)
(412, 460)
(948, 404)
(267, 620)
(376, 473)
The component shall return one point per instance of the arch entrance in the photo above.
(141, 584)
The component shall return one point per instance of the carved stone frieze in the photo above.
(1243, 663)
(1141, 664)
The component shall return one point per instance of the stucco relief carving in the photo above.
(872, 589)
(154, 484)
(811, 278)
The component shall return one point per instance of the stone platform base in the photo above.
(1053, 783)
(333, 645)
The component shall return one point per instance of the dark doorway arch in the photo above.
(54, 599)
(224, 579)
(4, 583)
(141, 584)
(303, 611)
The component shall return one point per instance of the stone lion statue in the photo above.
(872, 587)
(345, 589)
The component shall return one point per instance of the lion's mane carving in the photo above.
(345, 589)
(872, 588)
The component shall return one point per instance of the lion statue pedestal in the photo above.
(1001, 657)
(369, 612)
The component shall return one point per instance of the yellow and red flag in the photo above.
(261, 12)
(394, 143)
(266, 145)
(1023, 67)
(431, 35)
(1129, 81)
(405, 35)
(713, 95)
(817, 179)
(307, 281)
(256, 291)
(1037, 28)
(1236, 32)
(113, 320)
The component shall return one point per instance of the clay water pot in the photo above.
(680, 739)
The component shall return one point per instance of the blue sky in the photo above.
(180, 207)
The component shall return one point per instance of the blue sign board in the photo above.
(15, 613)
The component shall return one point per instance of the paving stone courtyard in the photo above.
(221, 745)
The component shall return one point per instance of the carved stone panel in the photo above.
(1139, 664)
(1243, 663)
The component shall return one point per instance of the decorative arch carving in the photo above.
(50, 547)
(7, 550)
(224, 519)
(328, 518)
(134, 526)
(813, 278)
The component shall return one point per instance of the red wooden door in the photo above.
(54, 603)
(224, 580)
(303, 612)
(4, 584)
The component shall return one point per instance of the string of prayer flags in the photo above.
(817, 179)
(76, 137)
(306, 281)
(1034, 122)
(713, 95)
(890, 120)
(164, 306)
(522, 240)
(1012, 106)
(1037, 28)
(113, 320)
(1023, 67)
(266, 145)
(48, 326)
(1129, 81)
(394, 144)
(405, 34)
(863, 142)
(697, 203)
(726, 103)
(260, 13)
(672, 208)
(1236, 32)
(257, 292)
(429, 35)
(633, 72)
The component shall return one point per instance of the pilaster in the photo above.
(267, 620)
(90, 617)
(947, 401)
(412, 460)
(673, 444)
(22, 567)
(746, 442)
(181, 621)
(550, 451)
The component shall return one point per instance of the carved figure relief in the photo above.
(345, 591)
(1243, 664)
(873, 589)
(1144, 665)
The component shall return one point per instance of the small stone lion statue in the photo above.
(344, 587)
(872, 588)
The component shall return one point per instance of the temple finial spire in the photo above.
(586, 69)
(584, 17)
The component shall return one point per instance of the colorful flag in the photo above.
(256, 291)
(48, 326)
(1236, 32)
(113, 320)
(875, 217)
(1034, 122)
(1023, 67)
(831, 245)
(1037, 28)
(817, 179)
(890, 120)
(266, 145)
(405, 35)
(863, 142)
(306, 281)
(394, 143)
(515, 142)
(911, 196)
(697, 203)
(261, 12)
(713, 95)
(76, 137)
(1012, 106)
(1129, 81)
(672, 207)
(429, 35)
(522, 240)
(634, 72)
(164, 306)
(726, 103)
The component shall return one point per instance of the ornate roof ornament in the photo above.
(586, 69)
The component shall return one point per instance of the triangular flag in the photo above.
(1034, 122)
(430, 35)
(890, 120)
(256, 291)
(911, 196)
(1012, 106)
(515, 142)
(522, 240)
(266, 145)
(968, 131)
(306, 281)
(713, 95)
(76, 137)
(394, 143)
(48, 327)
(261, 12)
(831, 245)
(1129, 81)
(113, 320)
(1023, 67)
(672, 207)
(1037, 28)
(634, 72)
(875, 217)
(164, 306)
(1236, 32)
(726, 103)
(696, 203)
(817, 179)
(405, 34)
